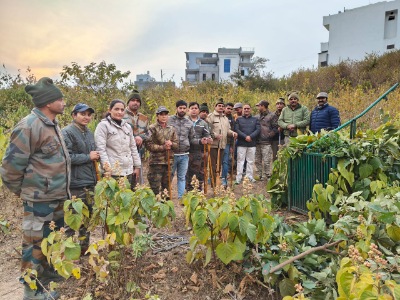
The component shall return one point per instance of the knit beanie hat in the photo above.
(204, 107)
(43, 92)
(293, 95)
(135, 95)
(180, 103)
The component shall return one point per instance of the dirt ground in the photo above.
(165, 274)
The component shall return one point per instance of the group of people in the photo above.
(44, 165)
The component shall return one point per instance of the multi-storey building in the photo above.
(218, 66)
(354, 33)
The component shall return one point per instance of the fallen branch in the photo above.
(301, 255)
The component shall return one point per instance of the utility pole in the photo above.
(162, 76)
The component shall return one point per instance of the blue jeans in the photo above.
(226, 160)
(181, 163)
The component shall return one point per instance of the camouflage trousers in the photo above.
(84, 194)
(158, 178)
(263, 160)
(196, 168)
(35, 227)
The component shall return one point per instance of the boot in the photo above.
(49, 275)
(39, 294)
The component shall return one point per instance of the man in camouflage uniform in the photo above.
(140, 126)
(269, 129)
(161, 138)
(36, 167)
(196, 152)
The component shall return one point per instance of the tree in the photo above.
(98, 78)
(257, 78)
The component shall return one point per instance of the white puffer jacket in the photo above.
(116, 143)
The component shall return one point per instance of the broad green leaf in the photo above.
(286, 287)
(223, 220)
(78, 205)
(73, 220)
(312, 241)
(194, 201)
(233, 221)
(164, 210)
(388, 218)
(202, 232)
(147, 203)
(226, 252)
(73, 253)
(345, 283)
(127, 197)
(251, 232)
(349, 176)
(393, 232)
(199, 217)
(365, 170)
(243, 224)
(375, 162)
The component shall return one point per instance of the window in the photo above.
(324, 63)
(227, 65)
(391, 18)
(213, 77)
(204, 77)
(390, 46)
(242, 72)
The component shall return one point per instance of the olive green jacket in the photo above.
(300, 116)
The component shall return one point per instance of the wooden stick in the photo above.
(169, 176)
(218, 169)
(205, 168)
(96, 168)
(233, 158)
(210, 166)
(301, 255)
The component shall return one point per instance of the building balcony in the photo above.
(246, 64)
(247, 50)
(324, 47)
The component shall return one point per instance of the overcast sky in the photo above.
(150, 35)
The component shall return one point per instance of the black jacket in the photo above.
(79, 144)
(247, 126)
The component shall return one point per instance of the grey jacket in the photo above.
(116, 143)
(80, 142)
(184, 131)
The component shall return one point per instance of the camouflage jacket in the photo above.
(184, 132)
(138, 122)
(155, 143)
(36, 165)
(201, 130)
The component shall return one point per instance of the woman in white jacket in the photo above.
(116, 144)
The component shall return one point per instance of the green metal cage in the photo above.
(304, 172)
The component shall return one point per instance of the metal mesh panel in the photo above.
(304, 172)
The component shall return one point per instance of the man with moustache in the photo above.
(324, 116)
